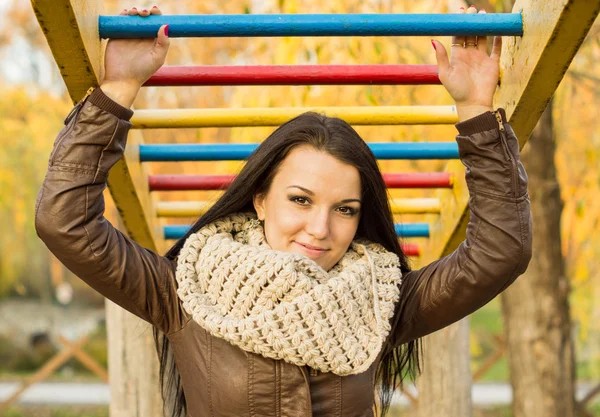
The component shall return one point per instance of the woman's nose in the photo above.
(317, 225)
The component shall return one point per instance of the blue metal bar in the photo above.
(189, 26)
(403, 230)
(240, 151)
(412, 229)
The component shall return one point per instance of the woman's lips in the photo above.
(312, 251)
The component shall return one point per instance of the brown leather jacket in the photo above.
(220, 379)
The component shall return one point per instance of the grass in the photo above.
(484, 324)
(503, 411)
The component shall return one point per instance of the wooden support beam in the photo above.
(532, 67)
(71, 29)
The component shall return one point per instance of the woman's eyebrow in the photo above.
(306, 190)
(309, 192)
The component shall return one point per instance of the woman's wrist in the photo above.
(121, 92)
(470, 111)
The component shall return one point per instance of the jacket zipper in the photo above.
(79, 104)
(509, 154)
(73, 113)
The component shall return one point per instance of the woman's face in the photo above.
(312, 207)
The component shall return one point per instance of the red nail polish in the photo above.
(167, 30)
(154, 7)
(462, 8)
(134, 8)
(433, 44)
(144, 11)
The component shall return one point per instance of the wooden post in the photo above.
(445, 385)
(132, 365)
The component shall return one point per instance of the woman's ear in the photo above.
(259, 205)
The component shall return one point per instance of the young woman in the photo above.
(291, 296)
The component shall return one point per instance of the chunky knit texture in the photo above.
(283, 305)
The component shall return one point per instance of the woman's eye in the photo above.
(300, 200)
(348, 211)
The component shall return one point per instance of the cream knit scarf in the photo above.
(283, 305)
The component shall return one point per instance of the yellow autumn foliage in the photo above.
(28, 125)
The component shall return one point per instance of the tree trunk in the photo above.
(445, 384)
(535, 308)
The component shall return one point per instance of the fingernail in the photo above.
(433, 44)
(144, 11)
(167, 30)
(462, 8)
(154, 7)
(134, 8)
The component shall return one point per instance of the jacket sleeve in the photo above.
(497, 248)
(69, 217)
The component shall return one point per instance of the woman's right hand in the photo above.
(128, 63)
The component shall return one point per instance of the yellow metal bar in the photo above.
(415, 205)
(71, 29)
(182, 208)
(532, 67)
(380, 115)
(198, 208)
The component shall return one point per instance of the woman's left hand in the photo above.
(470, 75)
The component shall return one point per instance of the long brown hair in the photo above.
(339, 139)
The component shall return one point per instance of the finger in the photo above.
(162, 41)
(441, 56)
(459, 39)
(125, 12)
(133, 11)
(471, 40)
(496, 48)
(155, 10)
(144, 12)
(482, 40)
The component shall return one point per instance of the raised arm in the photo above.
(497, 248)
(70, 218)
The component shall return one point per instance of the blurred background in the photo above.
(43, 306)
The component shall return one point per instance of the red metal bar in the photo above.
(418, 180)
(411, 249)
(219, 182)
(294, 75)
(189, 182)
